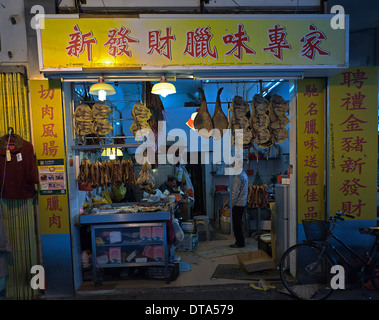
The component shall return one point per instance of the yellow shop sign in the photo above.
(190, 41)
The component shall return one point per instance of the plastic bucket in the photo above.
(225, 225)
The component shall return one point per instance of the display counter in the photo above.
(128, 235)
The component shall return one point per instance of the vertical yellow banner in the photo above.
(353, 147)
(48, 132)
(310, 133)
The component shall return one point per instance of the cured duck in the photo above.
(219, 119)
(203, 121)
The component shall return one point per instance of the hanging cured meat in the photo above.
(101, 111)
(83, 113)
(141, 114)
(105, 174)
(278, 112)
(268, 120)
(239, 119)
(219, 119)
(102, 127)
(203, 121)
(257, 196)
(260, 121)
(145, 178)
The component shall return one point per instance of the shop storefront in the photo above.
(86, 157)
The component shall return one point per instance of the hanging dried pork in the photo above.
(219, 119)
(257, 196)
(141, 114)
(278, 112)
(239, 119)
(102, 127)
(84, 127)
(83, 113)
(101, 111)
(84, 171)
(260, 121)
(203, 121)
(127, 170)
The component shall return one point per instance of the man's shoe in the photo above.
(236, 246)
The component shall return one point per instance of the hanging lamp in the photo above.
(112, 153)
(163, 88)
(102, 89)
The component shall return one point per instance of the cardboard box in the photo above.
(115, 255)
(145, 233)
(157, 233)
(257, 260)
(189, 243)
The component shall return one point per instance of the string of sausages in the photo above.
(104, 174)
(257, 196)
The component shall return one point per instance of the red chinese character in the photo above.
(310, 213)
(353, 77)
(353, 102)
(53, 204)
(48, 93)
(311, 179)
(238, 40)
(312, 109)
(349, 145)
(48, 111)
(351, 187)
(55, 220)
(48, 130)
(349, 165)
(310, 91)
(278, 42)
(159, 44)
(310, 126)
(310, 144)
(347, 207)
(311, 43)
(310, 161)
(50, 149)
(198, 43)
(79, 42)
(352, 124)
(311, 196)
(118, 42)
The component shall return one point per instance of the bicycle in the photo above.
(305, 268)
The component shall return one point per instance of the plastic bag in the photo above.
(119, 193)
(188, 187)
(179, 234)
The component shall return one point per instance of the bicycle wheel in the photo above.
(374, 273)
(303, 274)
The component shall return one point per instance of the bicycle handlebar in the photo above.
(340, 213)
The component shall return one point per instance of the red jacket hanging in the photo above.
(21, 173)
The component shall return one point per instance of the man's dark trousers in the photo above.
(237, 214)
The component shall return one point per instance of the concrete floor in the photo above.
(201, 271)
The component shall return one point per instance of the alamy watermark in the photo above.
(178, 149)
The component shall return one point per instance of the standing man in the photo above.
(239, 203)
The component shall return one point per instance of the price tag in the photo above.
(19, 157)
(9, 158)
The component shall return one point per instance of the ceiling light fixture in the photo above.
(163, 88)
(112, 153)
(102, 89)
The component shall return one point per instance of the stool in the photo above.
(204, 221)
